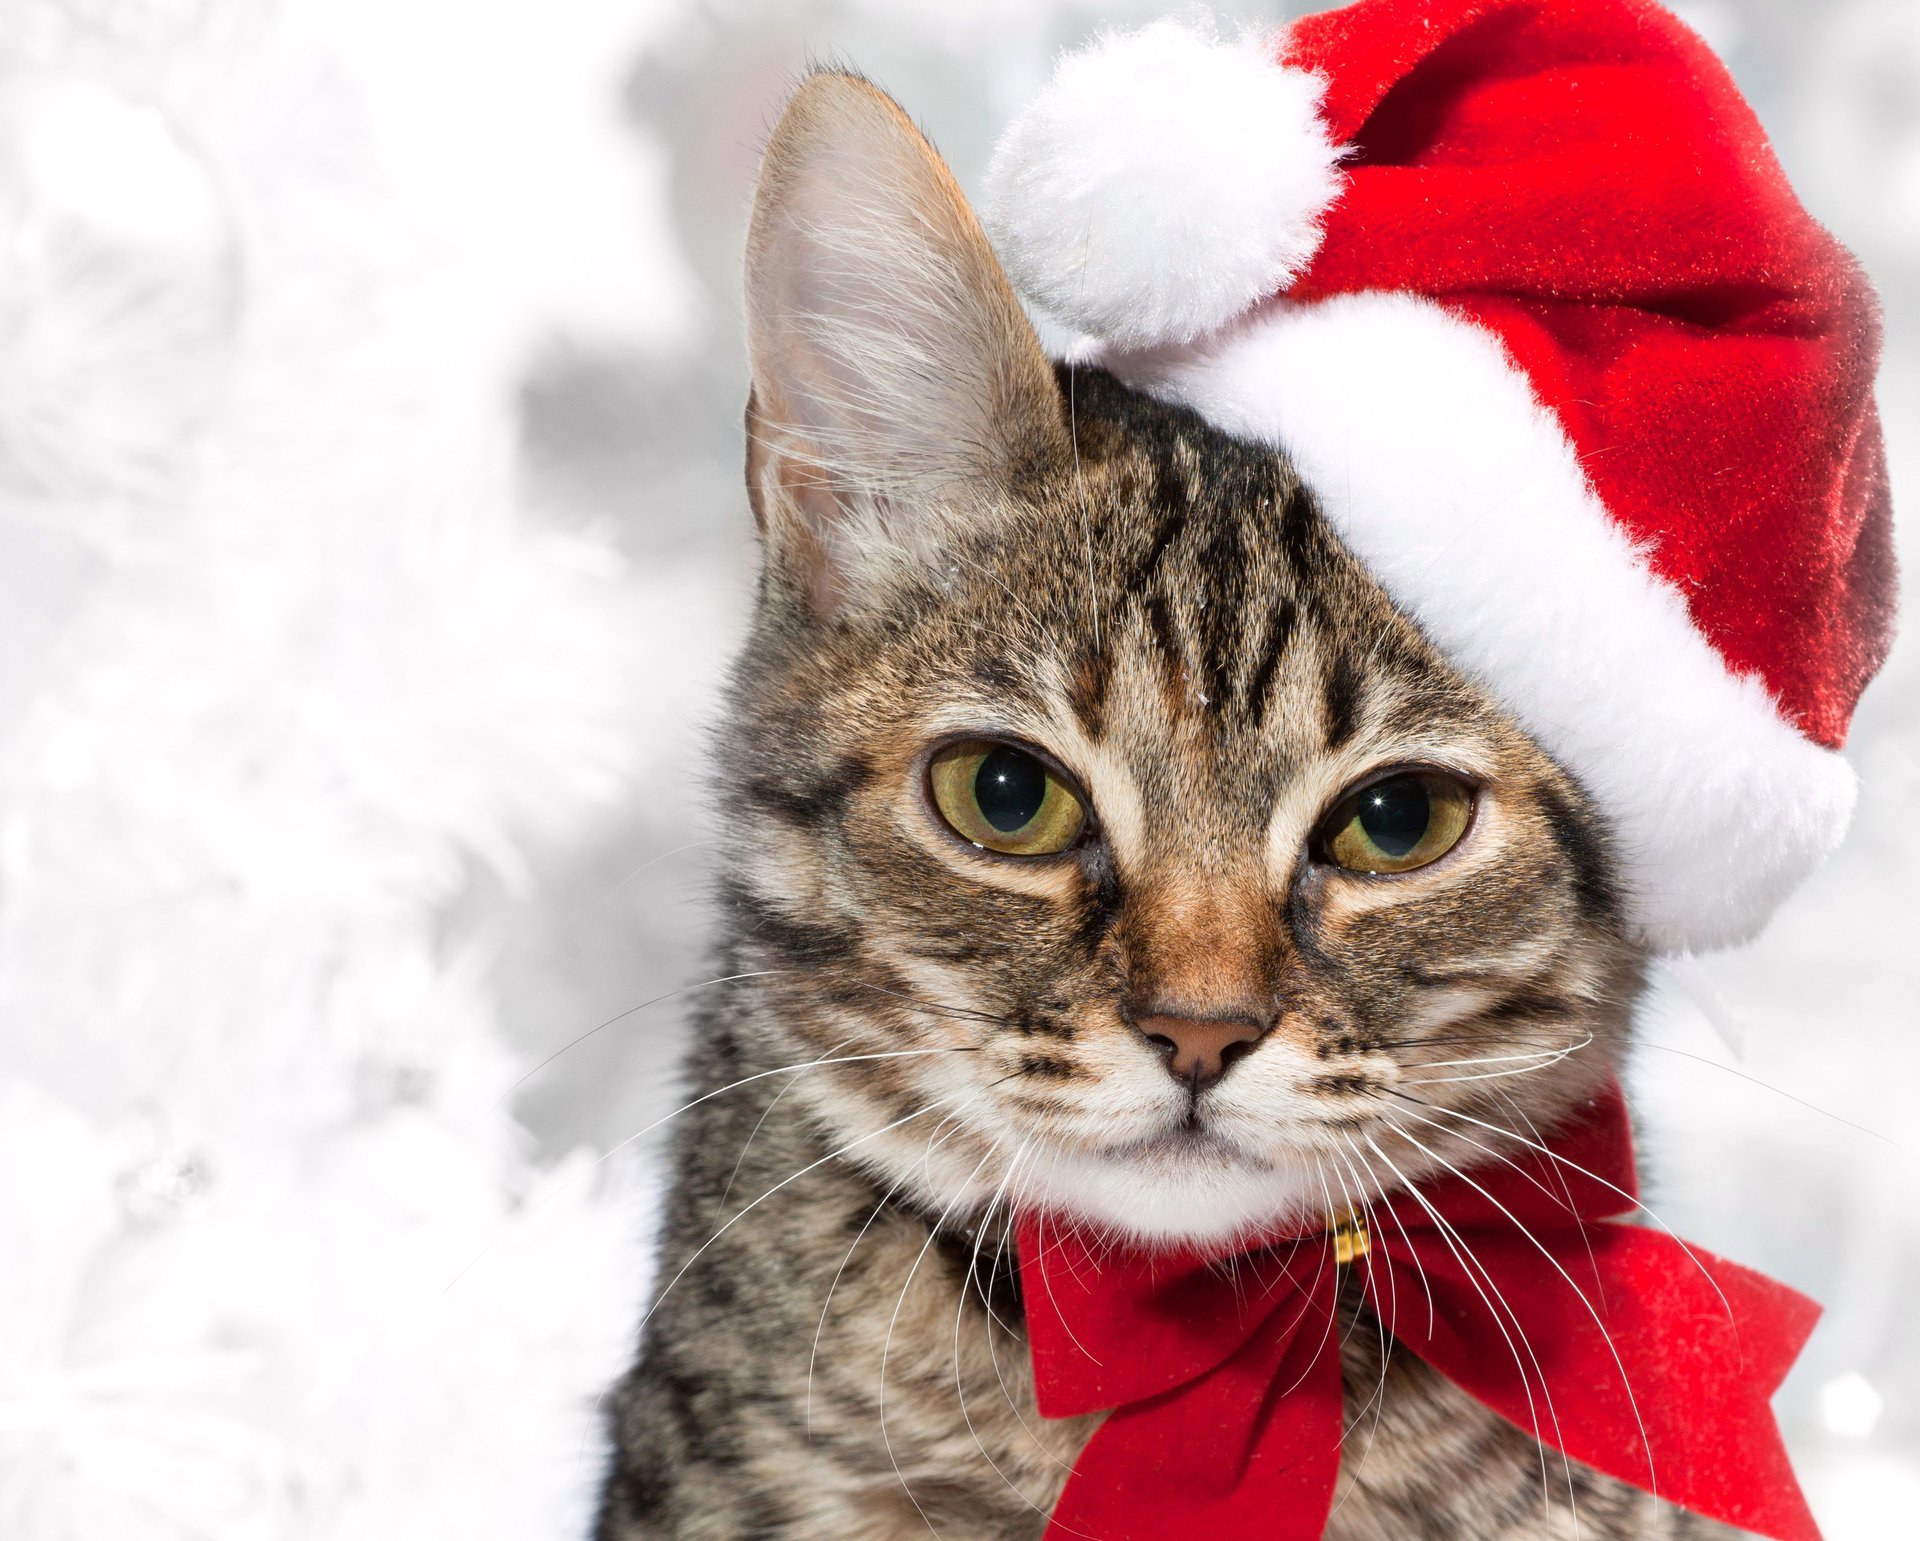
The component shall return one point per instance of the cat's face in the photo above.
(1085, 796)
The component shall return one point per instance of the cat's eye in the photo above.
(1397, 823)
(1004, 798)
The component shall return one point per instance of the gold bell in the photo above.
(1350, 1239)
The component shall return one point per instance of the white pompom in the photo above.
(1163, 182)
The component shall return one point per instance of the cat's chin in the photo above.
(1180, 1190)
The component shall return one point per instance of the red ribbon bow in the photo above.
(1616, 1344)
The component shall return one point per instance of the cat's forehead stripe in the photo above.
(1278, 634)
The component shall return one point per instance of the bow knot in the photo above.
(1616, 1345)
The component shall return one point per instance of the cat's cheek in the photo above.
(781, 864)
(949, 858)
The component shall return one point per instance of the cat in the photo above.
(1098, 835)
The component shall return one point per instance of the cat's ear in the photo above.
(898, 388)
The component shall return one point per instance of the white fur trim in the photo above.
(1432, 458)
(1162, 183)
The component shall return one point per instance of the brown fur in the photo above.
(927, 1036)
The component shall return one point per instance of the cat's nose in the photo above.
(1200, 1050)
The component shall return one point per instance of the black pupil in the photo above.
(1009, 787)
(1395, 813)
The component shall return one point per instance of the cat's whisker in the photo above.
(933, 1007)
(1054, 1300)
(1306, 1304)
(1377, 1398)
(1564, 1197)
(705, 984)
(1507, 1101)
(1560, 1161)
(653, 861)
(1599, 1321)
(1546, 1063)
(826, 1305)
(993, 1353)
(1419, 1268)
(1098, 1244)
(959, 1313)
(1530, 1057)
(1360, 1206)
(1504, 1039)
(886, 1347)
(934, 1143)
(1505, 1036)
(973, 1261)
(825, 1061)
(1331, 1212)
(1366, 1206)
(811, 1166)
(720, 1204)
(822, 1062)
(527, 1216)
(1388, 1338)
(1494, 1059)
(1472, 1269)
(1813, 1107)
(1393, 1287)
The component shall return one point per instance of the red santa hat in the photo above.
(1522, 290)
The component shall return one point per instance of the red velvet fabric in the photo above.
(1613, 1343)
(1583, 179)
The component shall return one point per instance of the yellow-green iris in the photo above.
(1005, 799)
(1397, 823)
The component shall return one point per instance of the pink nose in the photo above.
(1200, 1050)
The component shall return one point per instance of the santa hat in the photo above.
(1522, 290)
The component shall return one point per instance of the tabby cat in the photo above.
(1099, 836)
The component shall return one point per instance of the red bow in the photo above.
(1619, 1345)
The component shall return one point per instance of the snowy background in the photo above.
(371, 545)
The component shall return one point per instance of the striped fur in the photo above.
(920, 1038)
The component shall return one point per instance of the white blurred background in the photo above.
(563, 187)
